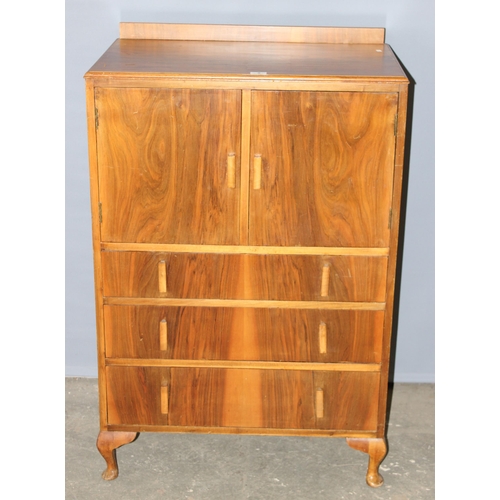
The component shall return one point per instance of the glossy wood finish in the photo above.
(263, 277)
(245, 249)
(245, 208)
(242, 398)
(96, 247)
(393, 261)
(107, 442)
(252, 60)
(163, 165)
(246, 118)
(247, 303)
(377, 450)
(328, 161)
(243, 334)
(252, 365)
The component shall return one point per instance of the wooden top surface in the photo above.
(131, 57)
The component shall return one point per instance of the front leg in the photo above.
(377, 450)
(107, 442)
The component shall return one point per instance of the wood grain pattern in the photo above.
(265, 398)
(246, 82)
(246, 365)
(163, 165)
(255, 431)
(246, 117)
(245, 249)
(394, 242)
(107, 443)
(96, 241)
(228, 32)
(246, 303)
(264, 277)
(328, 161)
(255, 61)
(243, 189)
(134, 395)
(238, 334)
(376, 450)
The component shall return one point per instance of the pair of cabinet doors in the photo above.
(294, 168)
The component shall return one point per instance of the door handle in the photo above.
(257, 171)
(231, 170)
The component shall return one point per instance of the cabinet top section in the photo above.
(248, 51)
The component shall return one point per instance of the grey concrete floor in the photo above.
(232, 467)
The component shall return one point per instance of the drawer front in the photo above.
(243, 334)
(257, 277)
(217, 397)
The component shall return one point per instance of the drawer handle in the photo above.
(231, 170)
(257, 171)
(164, 399)
(319, 403)
(162, 276)
(325, 280)
(163, 335)
(322, 338)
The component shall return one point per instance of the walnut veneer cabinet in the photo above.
(245, 191)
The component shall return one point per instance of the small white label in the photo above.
(258, 72)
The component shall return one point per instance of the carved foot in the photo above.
(107, 442)
(377, 450)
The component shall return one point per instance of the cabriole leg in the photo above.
(107, 442)
(376, 448)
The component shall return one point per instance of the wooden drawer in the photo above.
(232, 276)
(243, 334)
(246, 398)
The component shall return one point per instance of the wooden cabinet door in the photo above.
(325, 161)
(168, 163)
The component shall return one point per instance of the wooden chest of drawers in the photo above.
(245, 188)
